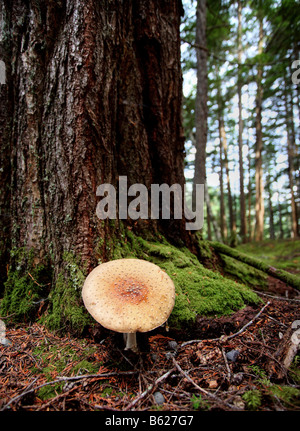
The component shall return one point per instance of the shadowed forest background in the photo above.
(191, 92)
(249, 52)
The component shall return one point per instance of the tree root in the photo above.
(288, 278)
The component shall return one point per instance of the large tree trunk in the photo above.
(93, 92)
(201, 98)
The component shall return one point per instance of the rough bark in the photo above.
(5, 163)
(280, 222)
(292, 157)
(222, 136)
(243, 227)
(249, 218)
(223, 225)
(93, 92)
(232, 222)
(212, 219)
(271, 211)
(201, 97)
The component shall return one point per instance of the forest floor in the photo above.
(238, 363)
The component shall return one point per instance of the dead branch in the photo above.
(293, 347)
(208, 394)
(149, 389)
(288, 278)
(279, 298)
(64, 394)
(226, 364)
(285, 353)
(65, 379)
(232, 335)
(249, 323)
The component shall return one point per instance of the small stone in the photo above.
(238, 402)
(172, 345)
(296, 324)
(154, 357)
(237, 378)
(159, 398)
(232, 355)
(170, 355)
(5, 342)
(213, 384)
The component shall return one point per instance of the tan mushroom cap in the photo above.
(129, 295)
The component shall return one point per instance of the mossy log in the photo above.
(288, 278)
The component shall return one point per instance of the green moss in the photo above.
(269, 392)
(198, 403)
(198, 289)
(66, 307)
(86, 367)
(26, 284)
(253, 399)
(283, 254)
(244, 273)
(56, 361)
(288, 395)
(259, 264)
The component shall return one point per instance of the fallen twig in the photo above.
(64, 379)
(226, 363)
(64, 394)
(149, 389)
(279, 298)
(34, 280)
(288, 278)
(228, 337)
(249, 323)
(208, 394)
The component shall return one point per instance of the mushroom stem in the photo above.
(130, 340)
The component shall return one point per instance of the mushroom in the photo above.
(129, 296)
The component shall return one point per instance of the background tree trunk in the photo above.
(259, 188)
(292, 157)
(93, 92)
(243, 228)
(223, 145)
(232, 220)
(270, 204)
(201, 97)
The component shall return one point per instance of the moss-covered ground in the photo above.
(199, 291)
(26, 284)
(44, 369)
(283, 255)
(67, 360)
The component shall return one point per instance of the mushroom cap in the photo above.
(129, 295)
